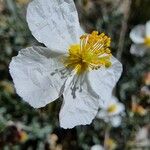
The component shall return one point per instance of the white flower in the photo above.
(111, 112)
(140, 35)
(97, 147)
(81, 68)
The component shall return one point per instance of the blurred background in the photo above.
(25, 128)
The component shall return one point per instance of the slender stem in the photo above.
(12, 7)
(123, 29)
(106, 138)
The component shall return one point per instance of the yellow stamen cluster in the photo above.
(92, 53)
(147, 41)
(112, 108)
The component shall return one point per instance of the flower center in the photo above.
(112, 108)
(92, 53)
(147, 41)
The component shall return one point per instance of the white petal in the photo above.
(120, 109)
(103, 81)
(31, 72)
(54, 23)
(148, 29)
(137, 34)
(102, 114)
(97, 147)
(80, 110)
(112, 100)
(115, 121)
(138, 49)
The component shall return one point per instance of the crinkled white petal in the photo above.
(80, 110)
(31, 72)
(138, 49)
(54, 23)
(103, 81)
(137, 34)
(97, 147)
(147, 29)
(115, 121)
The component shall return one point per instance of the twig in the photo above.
(123, 29)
